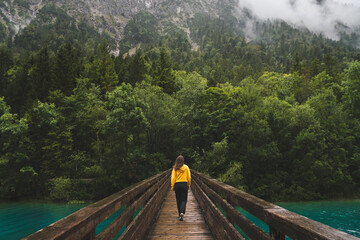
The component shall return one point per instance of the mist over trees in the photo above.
(335, 19)
(278, 118)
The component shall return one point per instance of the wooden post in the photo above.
(276, 235)
(91, 235)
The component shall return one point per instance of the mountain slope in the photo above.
(109, 16)
(126, 23)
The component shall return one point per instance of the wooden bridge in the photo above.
(151, 213)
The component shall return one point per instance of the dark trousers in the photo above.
(181, 192)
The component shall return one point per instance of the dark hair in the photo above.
(179, 162)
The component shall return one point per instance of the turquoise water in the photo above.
(18, 220)
(342, 215)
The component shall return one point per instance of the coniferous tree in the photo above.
(101, 70)
(6, 63)
(41, 74)
(67, 68)
(163, 74)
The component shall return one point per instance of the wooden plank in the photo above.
(168, 225)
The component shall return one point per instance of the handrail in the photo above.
(212, 196)
(82, 224)
(220, 227)
(281, 222)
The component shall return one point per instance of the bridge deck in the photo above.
(168, 225)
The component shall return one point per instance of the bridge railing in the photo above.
(82, 224)
(212, 194)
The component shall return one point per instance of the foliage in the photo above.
(65, 189)
(163, 75)
(102, 70)
(215, 161)
(142, 28)
(53, 27)
(60, 189)
(16, 173)
(352, 84)
(277, 116)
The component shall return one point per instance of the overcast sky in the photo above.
(318, 18)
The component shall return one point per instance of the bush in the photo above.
(60, 189)
(66, 189)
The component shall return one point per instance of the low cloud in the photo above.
(319, 16)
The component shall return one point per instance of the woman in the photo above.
(180, 182)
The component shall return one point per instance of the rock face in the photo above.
(16, 15)
(112, 15)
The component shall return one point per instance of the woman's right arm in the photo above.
(189, 177)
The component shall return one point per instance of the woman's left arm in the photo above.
(172, 179)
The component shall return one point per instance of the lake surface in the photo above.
(342, 215)
(18, 220)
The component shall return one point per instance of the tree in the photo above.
(215, 161)
(6, 64)
(138, 69)
(352, 87)
(21, 91)
(192, 87)
(283, 85)
(101, 70)
(51, 139)
(18, 177)
(163, 74)
(163, 122)
(85, 114)
(142, 28)
(339, 143)
(67, 68)
(41, 74)
(124, 126)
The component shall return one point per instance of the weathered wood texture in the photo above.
(210, 194)
(220, 227)
(141, 224)
(233, 215)
(168, 225)
(280, 221)
(126, 217)
(82, 224)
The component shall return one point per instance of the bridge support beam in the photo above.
(276, 235)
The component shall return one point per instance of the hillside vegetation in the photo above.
(277, 116)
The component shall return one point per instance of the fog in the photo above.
(325, 17)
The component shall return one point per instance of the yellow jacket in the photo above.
(181, 175)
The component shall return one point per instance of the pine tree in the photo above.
(163, 73)
(67, 68)
(41, 74)
(6, 63)
(102, 70)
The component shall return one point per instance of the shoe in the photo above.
(181, 218)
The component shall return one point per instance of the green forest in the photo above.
(277, 117)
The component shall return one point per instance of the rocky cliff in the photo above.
(112, 16)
